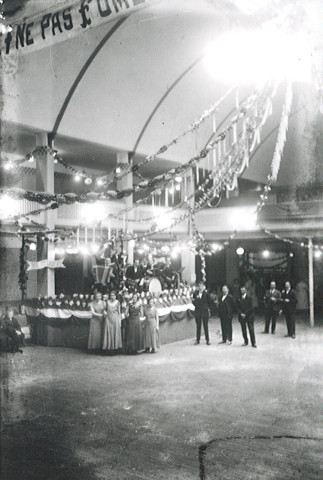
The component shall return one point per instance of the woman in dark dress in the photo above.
(134, 334)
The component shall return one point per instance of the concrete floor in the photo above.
(187, 412)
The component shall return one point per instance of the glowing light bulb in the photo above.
(88, 181)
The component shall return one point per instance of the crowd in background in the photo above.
(127, 320)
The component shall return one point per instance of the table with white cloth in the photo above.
(63, 327)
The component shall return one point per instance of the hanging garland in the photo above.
(279, 147)
(289, 241)
(121, 170)
(23, 265)
(193, 127)
(164, 179)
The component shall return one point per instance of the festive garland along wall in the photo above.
(233, 163)
(166, 178)
(113, 174)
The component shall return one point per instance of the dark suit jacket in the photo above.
(289, 307)
(11, 325)
(273, 304)
(134, 275)
(226, 307)
(201, 304)
(244, 305)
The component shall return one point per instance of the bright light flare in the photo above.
(240, 251)
(93, 212)
(243, 219)
(163, 221)
(95, 248)
(266, 253)
(259, 56)
(8, 207)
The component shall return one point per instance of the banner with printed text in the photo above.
(45, 263)
(75, 18)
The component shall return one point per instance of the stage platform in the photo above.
(55, 327)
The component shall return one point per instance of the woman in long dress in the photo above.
(112, 339)
(96, 324)
(151, 331)
(134, 336)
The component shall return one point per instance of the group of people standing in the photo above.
(275, 302)
(128, 327)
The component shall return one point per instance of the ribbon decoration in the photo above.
(282, 133)
(279, 147)
(45, 263)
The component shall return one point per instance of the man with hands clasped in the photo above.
(289, 301)
(272, 301)
(246, 317)
(201, 301)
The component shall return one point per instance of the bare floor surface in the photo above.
(186, 412)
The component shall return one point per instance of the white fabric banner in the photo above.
(76, 17)
(45, 263)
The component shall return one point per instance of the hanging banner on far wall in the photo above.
(79, 16)
(45, 263)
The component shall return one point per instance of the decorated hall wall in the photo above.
(9, 272)
(231, 265)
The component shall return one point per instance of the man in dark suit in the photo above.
(289, 301)
(246, 317)
(226, 310)
(201, 301)
(11, 331)
(272, 301)
(134, 274)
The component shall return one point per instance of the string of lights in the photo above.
(4, 27)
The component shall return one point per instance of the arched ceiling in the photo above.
(143, 87)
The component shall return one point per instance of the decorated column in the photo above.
(311, 280)
(126, 182)
(188, 257)
(45, 183)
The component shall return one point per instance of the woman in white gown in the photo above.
(112, 338)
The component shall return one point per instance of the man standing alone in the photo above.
(272, 301)
(226, 309)
(289, 300)
(201, 302)
(246, 317)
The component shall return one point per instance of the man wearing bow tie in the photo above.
(272, 301)
(226, 309)
(246, 317)
(289, 301)
(201, 301)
